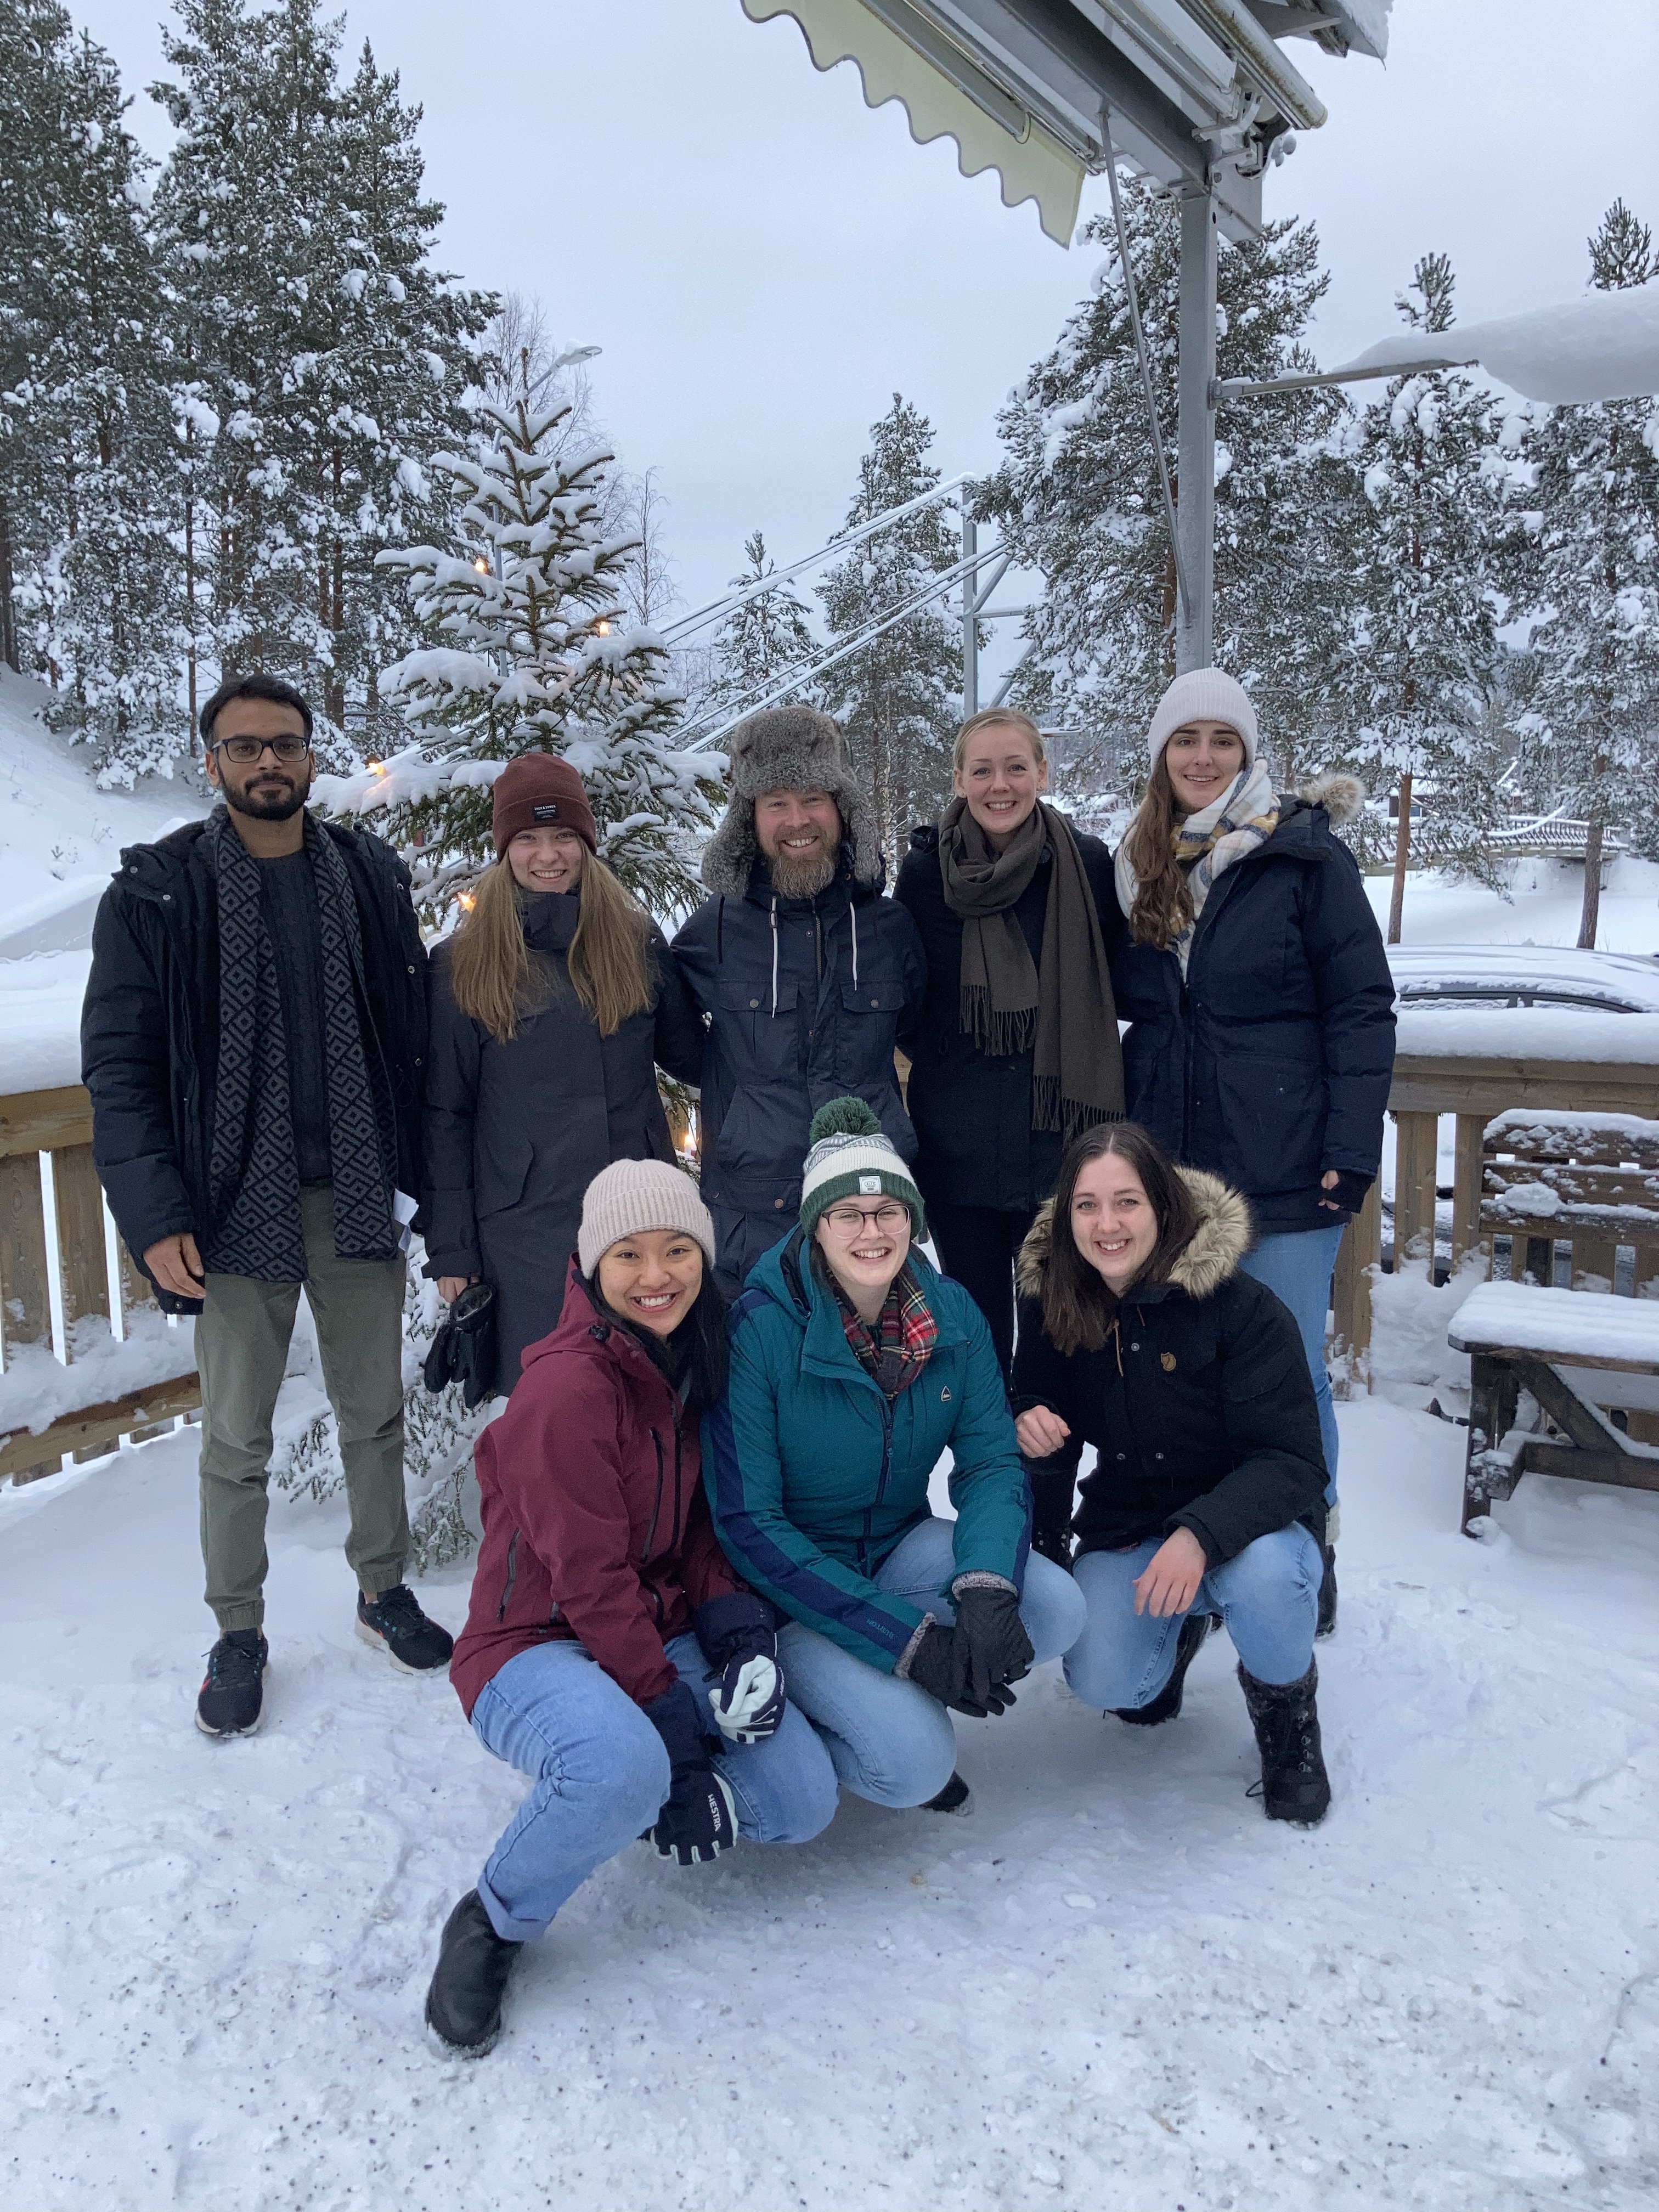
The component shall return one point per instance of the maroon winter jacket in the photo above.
(595, 1525)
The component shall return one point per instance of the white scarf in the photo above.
(1239, 822)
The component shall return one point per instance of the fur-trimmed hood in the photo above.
(787, 748)
(1218, 1243)
(1339, 794)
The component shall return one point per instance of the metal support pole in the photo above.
(1195, 504)
(969, 618)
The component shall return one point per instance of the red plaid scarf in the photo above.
(895, 1352)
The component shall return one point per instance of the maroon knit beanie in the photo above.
(538, 791)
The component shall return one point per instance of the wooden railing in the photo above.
(1475, 1091)
(76, 1254)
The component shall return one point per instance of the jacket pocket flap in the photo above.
(873, 994)
(755, 998)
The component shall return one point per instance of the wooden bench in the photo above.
(1591, 1179)
(1576, 1354)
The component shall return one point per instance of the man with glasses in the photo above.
(253, 1038)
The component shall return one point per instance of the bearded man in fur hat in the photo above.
(809, 976)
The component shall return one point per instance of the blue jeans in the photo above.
(600, 1775)
(890, 1741)
(1297, 1266)
(1269, 1596)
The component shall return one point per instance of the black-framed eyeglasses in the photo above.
(244, 750)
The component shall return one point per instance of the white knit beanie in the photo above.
(1208, 694)
(631, 1196)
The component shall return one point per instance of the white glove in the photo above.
(748, 1699)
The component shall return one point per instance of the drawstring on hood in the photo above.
(774, 955)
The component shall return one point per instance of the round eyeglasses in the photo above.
(848, 1220)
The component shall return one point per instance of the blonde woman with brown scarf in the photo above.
(1017, 1045)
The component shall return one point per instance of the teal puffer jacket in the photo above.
(813, 1477)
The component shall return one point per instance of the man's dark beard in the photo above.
(804, 879)
(268, 809)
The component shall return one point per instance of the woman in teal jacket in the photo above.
(854, 1366)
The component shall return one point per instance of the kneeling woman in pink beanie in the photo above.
(610, 1653)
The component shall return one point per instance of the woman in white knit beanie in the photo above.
(1252, 973)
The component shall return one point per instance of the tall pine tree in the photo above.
(762, 643)
(1416, 670)
(531, 650)
(898, 698)
(1592, 724)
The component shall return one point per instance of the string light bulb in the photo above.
(483, 567)
(602, 628)
(468, 902)
(377, 767)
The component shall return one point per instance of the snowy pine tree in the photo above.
(532, 651)
(899, 698)
(763, 643)
(88, 567)
(321, 360)
(1077, 497)
(1418, 667)
(1592, 724)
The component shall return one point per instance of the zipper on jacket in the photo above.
(656, 1504)
(512, 1577)
(886, 1471)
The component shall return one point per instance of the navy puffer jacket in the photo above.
(1271, 1061)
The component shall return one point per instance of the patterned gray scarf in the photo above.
(253, 1176)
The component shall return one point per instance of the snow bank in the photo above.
(1605, 346)
(37, 1388)
(40, 1019)
(1410, 1316)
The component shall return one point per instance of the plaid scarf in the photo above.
(253, 1177)
(1208, 842)
(895, 1352)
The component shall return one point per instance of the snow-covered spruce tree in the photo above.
(1416, 670)
(92, 602)
(321, 359)
(899, 698)
(1079, 500)
(1592, 726)
(531, 650)
(762, 643)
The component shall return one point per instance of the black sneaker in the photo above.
(232, 1697)
(1167, 1703)
(394, 1624)
(464, 2004)
(953, 1798)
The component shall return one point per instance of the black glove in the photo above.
(1348, 1193)
(739, 1638)
(463, 1350)
(996, 1649)
(938, 1665)
(699, 1818)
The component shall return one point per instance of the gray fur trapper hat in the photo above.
(787, 748)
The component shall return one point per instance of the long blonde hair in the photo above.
(495, 982)
(1163, 905)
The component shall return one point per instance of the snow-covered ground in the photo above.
(1113, 1983)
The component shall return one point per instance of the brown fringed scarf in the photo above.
(1061, 1011)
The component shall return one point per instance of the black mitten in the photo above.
(1348, 1193)
(699, 1817)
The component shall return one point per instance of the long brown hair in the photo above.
(496, 981)
(1163, 905)
(1078, 1307)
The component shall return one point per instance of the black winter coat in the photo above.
(1272, 1061)
(975, 1144)
(806, 998)
(515, 1132)
(1200, 1405)
(150, 1025)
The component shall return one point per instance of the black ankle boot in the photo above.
(1167, 1703)
(464, 2004)
(953, 1798)
(1294, 1785)
(1327, 1594)
(1053, 1544)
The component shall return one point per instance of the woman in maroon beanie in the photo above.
(553, 1005)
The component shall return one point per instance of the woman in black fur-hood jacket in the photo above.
(1139, 1334)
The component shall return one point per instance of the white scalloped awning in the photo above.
(991, 130)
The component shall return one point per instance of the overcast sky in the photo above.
(765, 260)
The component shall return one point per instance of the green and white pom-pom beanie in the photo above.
(851, 1159)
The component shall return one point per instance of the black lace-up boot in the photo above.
(394, 1624)
(231, 1700)
(1294, 1785)
(464, 2004)
(1167, 1703)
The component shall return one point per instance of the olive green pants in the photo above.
(242, 1338)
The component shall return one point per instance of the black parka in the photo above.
(1271, 1061)
(972, 1109)
(1200, 1405)
(150, 1025)
(516, 1132)
(806, 998)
